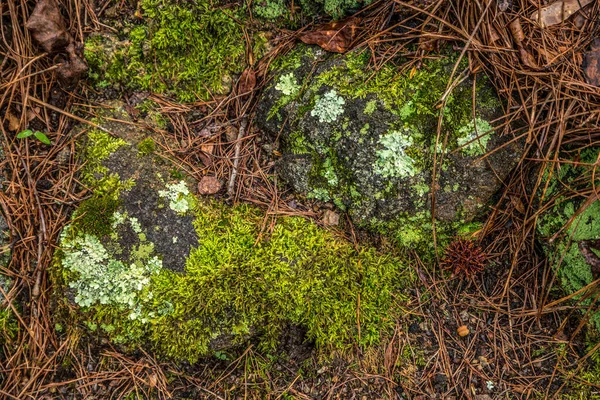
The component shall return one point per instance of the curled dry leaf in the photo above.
(247, 81)
(517, 30)
(591, 64)
(557, 12)
(49, 30)
(336, 37)
(331, 218)
(209, 185)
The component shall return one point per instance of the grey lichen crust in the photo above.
(366, 140)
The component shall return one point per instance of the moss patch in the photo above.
(189, 50)
(565, 252)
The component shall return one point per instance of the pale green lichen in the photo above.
(474, 136)
(177, 194)
(328, 107)
(392, 159)
(287, 85)
(100, 278)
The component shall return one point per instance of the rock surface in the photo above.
(571, 228)
(151, 264)
(367, 140)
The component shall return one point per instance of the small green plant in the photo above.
(41, 136)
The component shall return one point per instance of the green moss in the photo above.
(99, 147)
(564, 253)
(237, 281)
(189, 50)
(146, 147)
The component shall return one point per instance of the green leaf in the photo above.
(42, 137)
(25, 133)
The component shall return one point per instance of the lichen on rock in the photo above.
(369, 145)
(147, 263)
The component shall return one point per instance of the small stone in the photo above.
(209, 185)
(330, 218)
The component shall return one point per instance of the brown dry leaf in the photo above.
(208, 148)
(209, 185)
(48, 27)
(591, 64)
(330, 218)
(336, 37)
(518, 204)
(527, 58)
(494, 36)
(517, 30)
(49, 30)
(13, 122)
(247, 81)
(558, 12)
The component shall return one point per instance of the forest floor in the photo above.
(526, 338)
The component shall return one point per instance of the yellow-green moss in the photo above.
(189, 50)
(238, 282)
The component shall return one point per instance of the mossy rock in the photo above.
(571, 236)
(189, 50)
(365, 140)
(147, 263)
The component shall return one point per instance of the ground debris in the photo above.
(48, 29)
(591, 61)
(558, 12)
(336, 37)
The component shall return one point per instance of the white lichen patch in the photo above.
(287, 85)
(328, 107)
(473, 138)
(177, 194)
(392, 160)
(5, 284)
(102, 279)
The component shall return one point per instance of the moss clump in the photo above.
(281, 9)
(565, 252)
(146, 147)
(238, 282)
(189, 50)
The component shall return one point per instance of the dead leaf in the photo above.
(558, 12)
(591, 64)
(330, 218)
(207, 147)
(517, 30)
(494, 36)
(336, 37)
(48, 27)
(517, 204)
(13, 122)
(209, 185)
(49, 30)
(527, 58)
(247, 81)
(231, 133)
